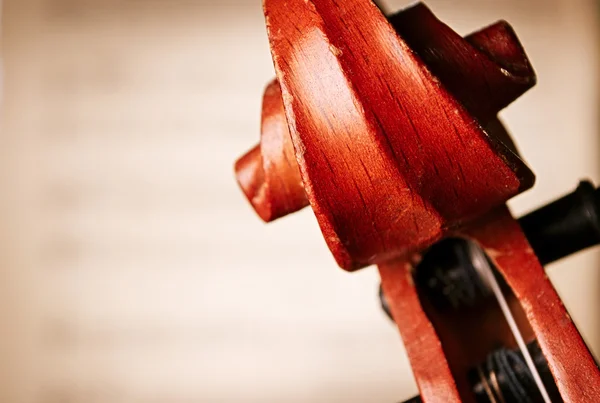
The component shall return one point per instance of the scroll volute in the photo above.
(387, 128)
(268, 173)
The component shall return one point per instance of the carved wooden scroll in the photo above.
(389, 130)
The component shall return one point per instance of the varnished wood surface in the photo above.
(392, 159)
(377, 136)
(485, 72)
(429, 364)
(573, 367)
(269, 173)
(435, 357)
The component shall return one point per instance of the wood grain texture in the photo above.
(573, 367)
(485, 71)
(395, 131)
(389, 157)
(430, 367)
(268, 173)
(507, 73)
(440, 355)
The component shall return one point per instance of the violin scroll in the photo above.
(388, 129)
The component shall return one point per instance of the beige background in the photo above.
(132, 269)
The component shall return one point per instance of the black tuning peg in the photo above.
(565, 226)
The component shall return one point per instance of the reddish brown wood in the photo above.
(572, 366)
(388, 156)
(496, 48)
(268, 174)
(440, 355)
(486, 71)
(427, 357)
(397, 144)
(466, 336)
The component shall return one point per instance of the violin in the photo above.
(387, 127)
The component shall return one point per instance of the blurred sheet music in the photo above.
(132, 268)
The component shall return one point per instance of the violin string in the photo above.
(481, 263)
(486, 386)
(494, 381)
